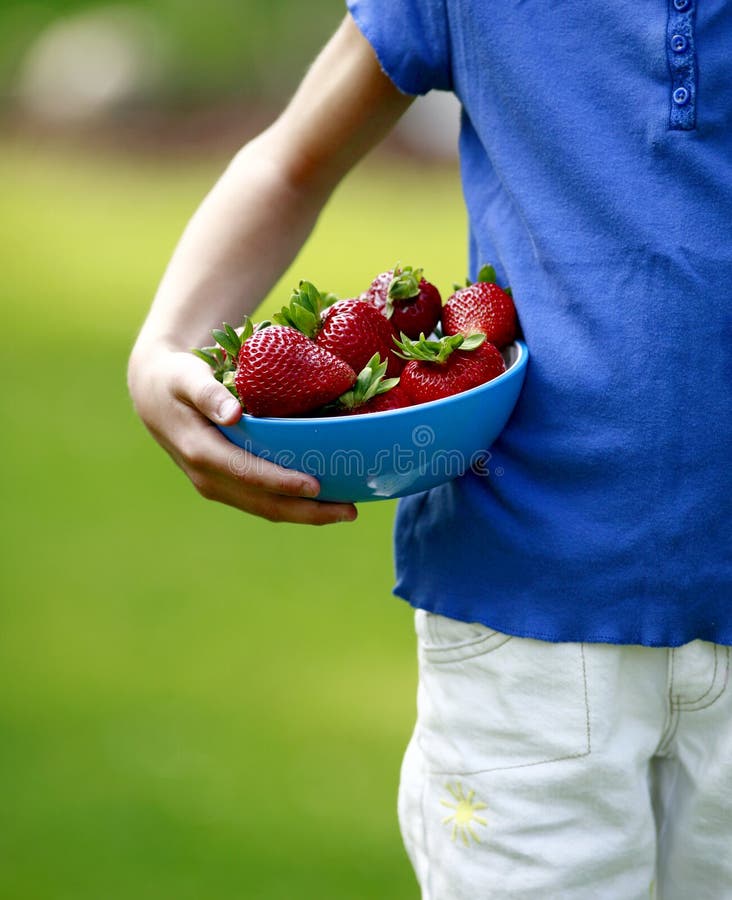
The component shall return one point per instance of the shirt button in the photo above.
(681, 96)
(682, 5)
(678, 43)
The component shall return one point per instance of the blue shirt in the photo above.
(596, 156)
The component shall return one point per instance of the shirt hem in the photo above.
(560, 636)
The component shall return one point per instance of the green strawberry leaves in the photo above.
(210, 355)
(369, 383)
(228, 339)
(231, 339)
(487, 274)
(304, 309)
(228, 382)
(222, 358)
(404, 285)
(436, 351)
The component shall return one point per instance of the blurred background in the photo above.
(193, 703)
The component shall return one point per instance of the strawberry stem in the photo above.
(404, 285)
(228, 382)
(369, 383)
(223, 358)
(231, 339)
(487, 274)
(437, 351)
(303, 311)
(224, 339)
(208, 354)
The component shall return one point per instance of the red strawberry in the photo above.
(355, 330)
(449, 366)
(411, 303)
(481, 307)
(351, 329)
(280, 372)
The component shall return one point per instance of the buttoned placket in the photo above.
(681, 55)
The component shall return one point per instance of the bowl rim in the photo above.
(329, 422)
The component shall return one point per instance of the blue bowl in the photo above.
(380, 456)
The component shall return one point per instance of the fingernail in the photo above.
(228, 409)
(310, 490)
(349, 516)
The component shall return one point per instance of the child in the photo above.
(574, 734)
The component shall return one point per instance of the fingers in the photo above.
(276, 508)
(195, 386)
(205, 451)
(308, 512)
(229, 475)
(218, 469)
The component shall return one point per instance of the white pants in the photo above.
(567, 771)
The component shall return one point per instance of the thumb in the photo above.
(196, 386)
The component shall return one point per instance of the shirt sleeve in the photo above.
(410, 39)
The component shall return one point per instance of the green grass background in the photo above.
(193, 703)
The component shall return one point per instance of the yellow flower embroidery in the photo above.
(464, 815)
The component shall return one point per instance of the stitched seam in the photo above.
(671, 681)
(666, 741)
(719, 693)
(669, 725)
(587, 701)
(689, 703)
(431, 652)
(459, 644)
(540, 762)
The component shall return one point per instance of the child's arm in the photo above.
(234, 249)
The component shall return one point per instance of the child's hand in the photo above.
(178, 398)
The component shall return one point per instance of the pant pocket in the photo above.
(489, 701)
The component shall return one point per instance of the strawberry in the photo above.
(355, 330)
(411, 303)
(351, 329)
(481, 307)
(449, 366)
(280, 372)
